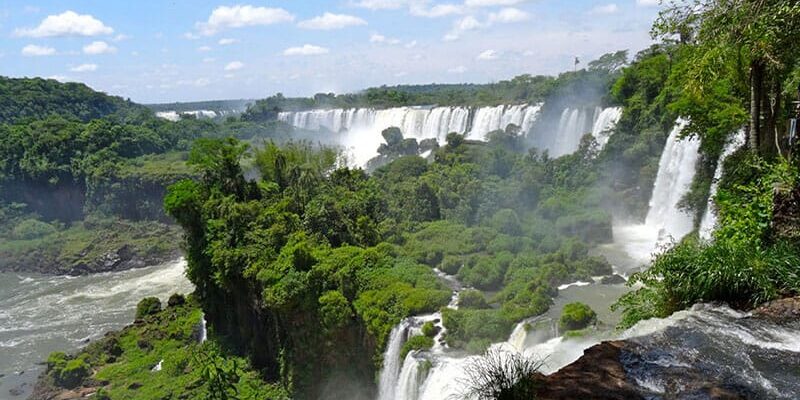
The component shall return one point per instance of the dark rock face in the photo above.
(613, 280)
(598, 374)
(713, 353)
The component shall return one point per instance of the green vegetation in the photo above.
(148, 306)
(734, 66)
(123, 365)
(576, 316)
(419, 342)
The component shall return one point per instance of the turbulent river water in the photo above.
(40, 314)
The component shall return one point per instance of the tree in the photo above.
(759, 36)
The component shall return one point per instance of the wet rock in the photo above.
(613, 280)
(782, 311)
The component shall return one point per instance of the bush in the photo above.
(419, 342)
(576, 316)
(148, 306)
(429, 329)
(66, 372)
(176, 299)
(471, 298)
(32, 229)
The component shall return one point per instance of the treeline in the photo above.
(38, 98)
(585, 86)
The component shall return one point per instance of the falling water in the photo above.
(676, 170)
(709, 220)
(203, 329)
(391, 361)
(604, 124)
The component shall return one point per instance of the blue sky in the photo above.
(181, 50)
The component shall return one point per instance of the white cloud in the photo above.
(457, 70)
(604, 9)
(492, 3)
(201, 82)
(648, 3)
(33, 50)
(305, 50)
(488, 55)
(60, 78)
(465, 24)
(121, 37)
(239, 16)
(439, 10)
(209, 60)
(381, 4)
(84, 68)
(378, 38)
(68, 23)
(227, 41)
(508, 15)
(411, 44)
(99, 47)
(330, 21)
(204, 48)
(234, 66)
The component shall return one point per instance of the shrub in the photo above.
(419, 342)
(66, 372)
(576, 316)
(499, 375)
(148, 306)
(471, 298)
(32, 229)
(429, 329)
(451, 264)
(176, 299)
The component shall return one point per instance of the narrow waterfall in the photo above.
(574, 123)
(676, 170)
(709, 220)
(665, 221)
(203, 329)
(604, 124)
(391, 361)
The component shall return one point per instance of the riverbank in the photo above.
(40, 314)
(88, 247)
(707, 352)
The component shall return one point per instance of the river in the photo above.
(41, 314)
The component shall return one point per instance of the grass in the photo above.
(123, 362)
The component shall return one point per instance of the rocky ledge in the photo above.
(704, 355)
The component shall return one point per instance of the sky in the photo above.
(180, 50)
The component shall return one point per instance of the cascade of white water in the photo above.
(709, 220)
(604, 123)
(203, 329)
(676, 170)
(391, 361)
(574, 123)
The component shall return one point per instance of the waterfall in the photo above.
(604, 124)
(709, 220)
(391, 361)
(676, 170)
(203, 329)
(410, 378)
(360, 128)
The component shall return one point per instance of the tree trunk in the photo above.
(766, 142)
(756, 88)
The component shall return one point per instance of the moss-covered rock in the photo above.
(148, 306)
(577, 316)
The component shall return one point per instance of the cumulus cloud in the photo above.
(68, 23)
(204, 48)
(305, 50)
(99, 47)
(234, 66)
(330, 21)
(604, 9)
(227, 41)
(648, 3)
(238, 16)
(488, 55)
(378, 38)
(84, 68)
(381, 4)
(508, 15)
(33, 50)
(436, 11)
